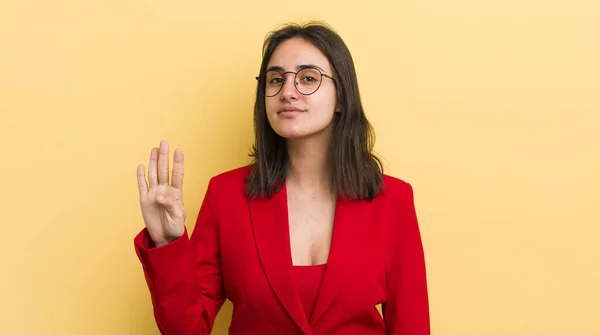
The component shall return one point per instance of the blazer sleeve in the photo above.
(406, 311)
(184, 276)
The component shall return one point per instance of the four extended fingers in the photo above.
(158, 168)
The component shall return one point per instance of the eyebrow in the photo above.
(298, 68)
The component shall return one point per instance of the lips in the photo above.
(289, 109)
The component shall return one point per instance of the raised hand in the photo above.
(161, 201)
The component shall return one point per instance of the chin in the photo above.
(292, 135)
(293, 129)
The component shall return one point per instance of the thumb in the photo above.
(164, 199)
(170, 203)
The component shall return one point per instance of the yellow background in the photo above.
(491, 109)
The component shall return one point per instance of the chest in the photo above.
(310, 220)
(257, 243)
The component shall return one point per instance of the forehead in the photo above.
(295, 52)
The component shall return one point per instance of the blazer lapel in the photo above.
(350, 216)
(269, 218)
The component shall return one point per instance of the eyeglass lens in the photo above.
(307, 81)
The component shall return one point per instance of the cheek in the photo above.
(269, 105)
(271, 110)
(326, 103)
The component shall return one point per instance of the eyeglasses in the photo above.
(307, 81)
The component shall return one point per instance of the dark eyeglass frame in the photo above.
(283, 75)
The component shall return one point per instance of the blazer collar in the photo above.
(270, 225)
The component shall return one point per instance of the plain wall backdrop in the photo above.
(490, 109)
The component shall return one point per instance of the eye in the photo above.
(275, 81)
(309, 79)
(309, 76)
(273, 78)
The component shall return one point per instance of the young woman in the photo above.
(310, 237)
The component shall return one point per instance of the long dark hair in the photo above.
(356, 172)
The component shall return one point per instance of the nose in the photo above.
(288, 91)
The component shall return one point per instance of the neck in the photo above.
(309, 165)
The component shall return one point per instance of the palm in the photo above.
(161, 202)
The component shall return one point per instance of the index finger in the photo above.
(177, 174)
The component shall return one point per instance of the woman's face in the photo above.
(291, 114)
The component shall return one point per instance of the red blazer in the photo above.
(240, 250)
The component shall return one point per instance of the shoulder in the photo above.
(396, 192)
(233, 180)
(396, 187)
(234, 175)
(398, 197)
